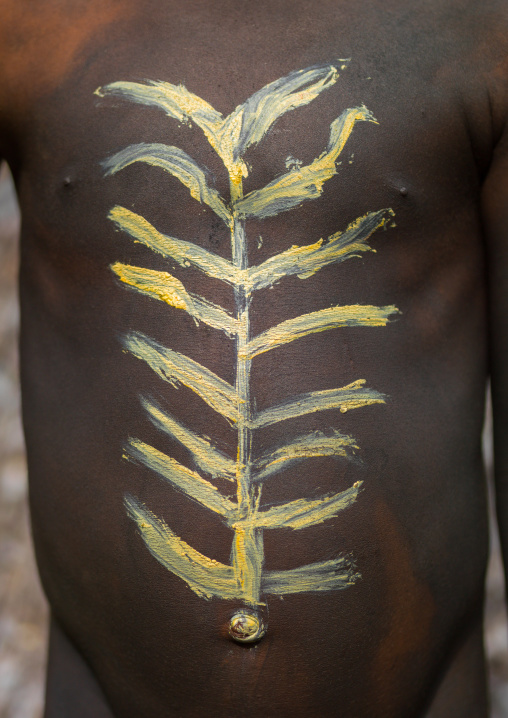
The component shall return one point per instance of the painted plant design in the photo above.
(230, 137)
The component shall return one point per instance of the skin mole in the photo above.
(214, 237)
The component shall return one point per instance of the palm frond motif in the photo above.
(231, 136)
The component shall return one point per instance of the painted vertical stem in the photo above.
(247, 552)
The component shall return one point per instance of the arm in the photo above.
(495, 218)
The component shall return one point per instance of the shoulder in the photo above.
(41, 43)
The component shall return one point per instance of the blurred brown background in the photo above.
(23, 612)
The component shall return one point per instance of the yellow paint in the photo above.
(247, 558)
(322, 576)
(320, 321)
(230, 137)
(302, 261)
(207, 457)
(209, 578)
(169, 289)
(306, 261)
(185, 253)
(179, 369)
(247, 554)
(245, 126)
(301, 513)
(302, 183)
(352, 396)
(159, 285)
(204, 576)
(304, 447)
(182, 478)
(180, 165)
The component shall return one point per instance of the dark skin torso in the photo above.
(405, 640)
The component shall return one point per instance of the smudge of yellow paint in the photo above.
(330, 575)
(307, 260)
(209, 578)
(247, 558)
(231, 136)
(304, 261)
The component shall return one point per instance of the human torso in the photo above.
(413, 537)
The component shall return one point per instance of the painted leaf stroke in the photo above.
(303, 183)
(247, 124)
(178, 369)
(177, 163)
(304, 261)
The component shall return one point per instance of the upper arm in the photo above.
(495, 225)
